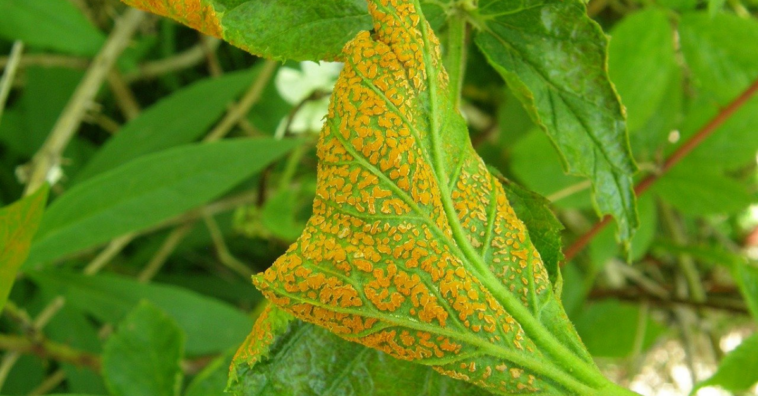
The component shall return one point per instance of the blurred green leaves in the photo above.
(148, 190)
(178, 119)
(144, 356)
(739, 369)
(640, 62)
(49, 24)
(210, 325)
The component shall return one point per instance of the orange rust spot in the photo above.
(193, 13)
(380, 244)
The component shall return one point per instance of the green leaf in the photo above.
(537, 166)
(721, 68)
(282, 29)
(279, 215)
(413, 248)
(71, 327)
(698, 190)
(147, 191)
(714, 49)
(731, 146)
(28, 372)
(45, 94)
(177, 119)
(212, 379)
(641, 63)
(49, 24)
(210, 325)
(602, 249)
(738, 370)
(714, 6)
(553, 57)
(287, 357)
(746, 276)
(633, 330)
(18, 224)
(644, 237)
(544, 229)
(650, 140)
(144, 356)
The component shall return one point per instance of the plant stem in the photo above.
(686, 263)
(672, 160)
(180, 61)
(49, 349)
(456, 55)
(291, 166)
(240, 110)
(10, 72)
(49, 155)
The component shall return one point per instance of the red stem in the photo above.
(672, 160)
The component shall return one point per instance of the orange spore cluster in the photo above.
(193, 13)
(377, 262)
(257, 342)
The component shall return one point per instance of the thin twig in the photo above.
(125, 99)
(169, 245)
(211, 209)
(50, 383)
(214, 66)
(183, 60)
(639, 295)
(49, 60)
(10, 73)
(672, 160)
(49, 155)
(251, 97)
(568, 191)
(103, 121)
(222, 250)
(106, 255)
(47, 349)
(34, 329)
(47, 314)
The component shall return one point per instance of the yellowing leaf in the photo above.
(18, 224)
(284, 356)
(278, 29)
(196, 14)
(413, 248)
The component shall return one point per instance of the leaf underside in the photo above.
(413, 248)
(551, 54)
(553, 57)
(284, 356)
(276, 29)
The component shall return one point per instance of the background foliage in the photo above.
(194, 168)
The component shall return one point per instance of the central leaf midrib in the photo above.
(529, 323)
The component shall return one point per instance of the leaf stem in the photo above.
(673, 159)
(456, 55)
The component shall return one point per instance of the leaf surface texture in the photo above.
(413, 248)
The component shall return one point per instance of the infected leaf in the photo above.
(278, 29)
(284, 356)
(413, 248)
